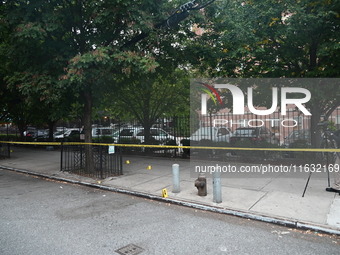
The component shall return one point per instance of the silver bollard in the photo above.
(217, 194)
(175, 179)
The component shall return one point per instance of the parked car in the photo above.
(300, 138)
(68, 134)
(256, 135)
(102, 131)
(59, 134)
(60, 129)
(300, 134)
(215, 134)
(157, 134)
(35, 133)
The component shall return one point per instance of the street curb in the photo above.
(246, 215)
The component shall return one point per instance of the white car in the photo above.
(103, 131)
(67, 133)
(138, 133)
(215, 134)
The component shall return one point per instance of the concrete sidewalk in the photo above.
(275, 197)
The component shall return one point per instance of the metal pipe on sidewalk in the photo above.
(217, 194)
(175, 179)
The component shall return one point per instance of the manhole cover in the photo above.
(130, 249)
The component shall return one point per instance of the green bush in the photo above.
(185, 142)
(42, 139)
(222, 153)
(245, 154)
(153, 141)
(167, 142)
(170, 142)
(257, 154)
(303, 144)
(103, 139)
(130, 141)
(269, 154)
(206, 152)
(72, 138)
(13, 138)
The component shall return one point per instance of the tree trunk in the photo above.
(50, 130)
(21, 131)
(87, 121)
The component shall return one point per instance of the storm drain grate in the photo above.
(130, 249)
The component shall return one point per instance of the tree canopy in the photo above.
(272, 38)
(56, 48)
(61, 52)
(275, 39)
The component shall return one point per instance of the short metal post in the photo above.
(217, 194)
(175, 179)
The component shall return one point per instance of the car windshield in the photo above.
(245, 132)
(299, 134)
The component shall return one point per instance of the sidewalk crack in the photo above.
(251, 207)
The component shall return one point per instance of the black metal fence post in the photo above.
(120, 161)
(61, 155)
(101, 161)
(9, 150)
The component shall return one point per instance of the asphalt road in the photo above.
(39, 216)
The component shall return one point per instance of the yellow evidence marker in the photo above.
(164, 193)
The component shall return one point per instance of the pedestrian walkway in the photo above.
(272, 197)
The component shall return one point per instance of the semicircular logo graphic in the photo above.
(211, 90)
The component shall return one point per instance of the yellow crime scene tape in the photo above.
(176, 147)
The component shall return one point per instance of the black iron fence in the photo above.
(294, 157)
(107, 161)
(172, 130)
(5, 150)
(292, 131)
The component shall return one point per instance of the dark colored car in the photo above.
(256, 135)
